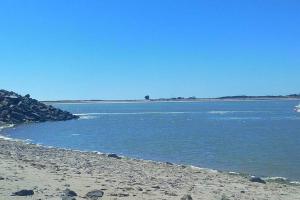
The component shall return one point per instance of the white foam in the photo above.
(223, 112)
(206, 169)
(6, 126)
(6, 138)
(86, 117)
(15, 140)
(133, 113)
(244, 118)
(276, 178)
(75, 134)
(234, 173)
(220, 112)
(239, 118)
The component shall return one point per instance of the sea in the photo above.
(259, 138)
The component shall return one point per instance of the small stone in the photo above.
(123, 195)
(186, 197)
(224, 197)
(156, 187)
(69, 193)
(170, 194)
(95, 194)
(23, 193)
(257, 180)
(112, 155)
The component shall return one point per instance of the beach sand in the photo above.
(49, 171)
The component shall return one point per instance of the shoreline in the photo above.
(244, 174)
(157, 180)
(169, 101)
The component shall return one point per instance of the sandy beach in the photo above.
(50, 171)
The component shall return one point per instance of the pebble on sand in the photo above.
(23, 193)
(95, 194)
(186, 197)
(257, 180)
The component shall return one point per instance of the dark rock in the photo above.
(112, 155)
(17, 116)
(186, 197)
(16, 109)
(257, 180)
(69, 193)
(156, 187)
(23, 193)
(224, 197)
(170, 193)
(94, 195)
(123, 195)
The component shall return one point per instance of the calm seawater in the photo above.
(257, 137)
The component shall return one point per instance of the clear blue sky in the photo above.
(117, 49)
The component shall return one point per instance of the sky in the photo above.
(116, 49)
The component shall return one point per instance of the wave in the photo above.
(281, 180)
(295, 182)
(276, 179)
(86, 117)
(289, 118)
(173, 112)
(6, 138)
(6, 126)
(26, 141)
(243, 118)
(134, 113)
(201, 168)
(220, 112)
(223, 112)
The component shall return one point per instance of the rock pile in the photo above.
(16, 109)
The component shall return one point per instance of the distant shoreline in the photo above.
(222, 99)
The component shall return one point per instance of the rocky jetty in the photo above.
(16, 109)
